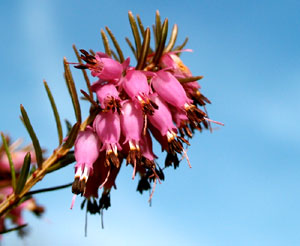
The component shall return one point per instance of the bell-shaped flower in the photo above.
(136, 85)
(172, 61)
(108, 129)
(132, 127)
(87, 147)
(147, 152)
(170, 89)
(101, 66)
(108, 96)
(162, 121)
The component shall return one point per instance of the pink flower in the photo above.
(147, 152)
(172, 61)
(87, 147)
(170, 89)
(136, 85)
(107, 126)
(162, 117)
(132, 126)
(162, 121)
(108, 96)
(102, 66)
(16, 214)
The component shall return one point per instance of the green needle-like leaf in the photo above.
(92, 52)
(72, 136)
(13, 229)
(24, 174)
(114, 55)
(141, 26)
(66, 160)
(105, 43)
(11, 164)
(135, 33)
(69, 126)
(131, 47)
(158, 27)
(144, 51)
(116, 44)
(190, 79)
(172, 39)
(154, 35)
(87, 96)
(30, 193)
(34, 139)
(162, 41)
(55, 112)
(86, 77)
(180, 47)
(72, 90)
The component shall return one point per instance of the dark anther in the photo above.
(143, 185)
(104, 201)
(93, 207)
(76, 186)
(172, 158)
(111, 158)
(83, 203)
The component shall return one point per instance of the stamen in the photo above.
(153, 189)
(187, 158)
(213, 121)
(106, 179)
(73, 201)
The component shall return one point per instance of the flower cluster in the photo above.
(158, 98)
(133, 106)
(6, 184)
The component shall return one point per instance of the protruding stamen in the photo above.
(73, 201)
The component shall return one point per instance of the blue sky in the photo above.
(243, 188)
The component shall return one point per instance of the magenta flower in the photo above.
(101, 66)
(132, 127)
(107, 126)
(170, 89)
(163, 83)
(18, 159)
(108, 96)
(16, 214)
(87, 147)
(147, 152)
(136, 85)
(162, 121)
(172, 61)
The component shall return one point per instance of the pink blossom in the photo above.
(131, 122)
(162, 121)
(132, 126)
(87, 148)
(172, 61)
(108, 96)
(170, 89)
(136, 85)
(107, 126)
(102, 66)
(146, 150)
(162, 117)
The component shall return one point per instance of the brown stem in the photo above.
(13, 199)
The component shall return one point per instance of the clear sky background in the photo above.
(243, 188)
